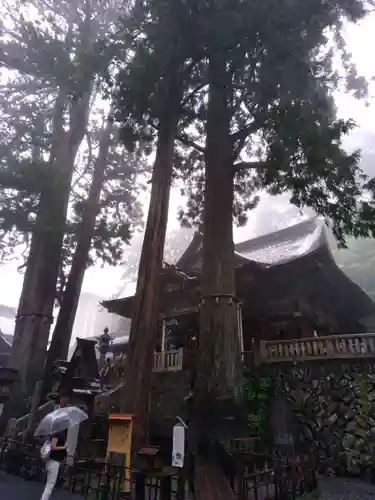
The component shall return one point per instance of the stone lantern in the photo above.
(104, 343)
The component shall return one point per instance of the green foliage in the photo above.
(358, 439)
(303, 404)
(363, 398)
(161, 69)
(281, 73)
(309, 496)
(280, 78)
(57, 64)
(258, 393)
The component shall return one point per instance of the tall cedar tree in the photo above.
(69, 302)
(151, 94)
(43, 58)
(113, 183)
(270, 123)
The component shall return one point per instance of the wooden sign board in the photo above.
(120, 443)
(149, 450)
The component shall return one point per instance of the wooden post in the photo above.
(163, 336)
(240, 482)
(263, 350)
(165, 488)
(180, 358)
(257, 358)
(35, 401)
(181, 484)
(140, 486)
(240, 330)
(163, 357)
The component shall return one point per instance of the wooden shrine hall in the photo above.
(288, 287)
(294, 302)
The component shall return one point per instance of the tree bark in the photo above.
(136, 393)
(219, 360)
(217, 385)
(35, 309)
(64, 325)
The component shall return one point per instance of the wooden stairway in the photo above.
(108, 400)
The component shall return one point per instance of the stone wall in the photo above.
(332, 404)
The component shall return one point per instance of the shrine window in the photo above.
(181, 331)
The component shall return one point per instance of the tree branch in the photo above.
(240, 137)
(187, 142)
(193, 93)
(184, 140)
(248, 165)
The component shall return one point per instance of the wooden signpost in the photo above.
(119, 446)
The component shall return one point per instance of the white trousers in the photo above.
(52, 468)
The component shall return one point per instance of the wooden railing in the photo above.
(169, 361)
(41, 412)
(335, 346)
(275, 351)
(241, 445)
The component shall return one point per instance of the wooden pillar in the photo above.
(181, 484)
(163, 335)
(165, 488)
(140, 486)
(239, 328)
(307, 330)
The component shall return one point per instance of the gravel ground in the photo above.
(12, 488)
(335, 488)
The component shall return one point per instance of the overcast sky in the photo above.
(104, 282)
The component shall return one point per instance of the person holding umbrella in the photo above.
(57, 455)
(55, 425)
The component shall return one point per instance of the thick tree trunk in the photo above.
(64, 325)
(219, 361)
(136, 393)
(35, 309)
(217, 383)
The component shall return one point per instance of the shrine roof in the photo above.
(5, 349)
(270, 250)
(5, 346)
(306, 245)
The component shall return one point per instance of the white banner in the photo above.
(178, 452)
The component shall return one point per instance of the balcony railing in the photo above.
(169, 361)
(275, 351)
(335, 346)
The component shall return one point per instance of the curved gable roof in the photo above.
(269, 250)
